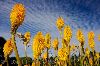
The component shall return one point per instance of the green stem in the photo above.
(98, 62)
(16, 51)
(80, 56)
(6, 59)
(47, 56)
(93, 56)
(55, 52)
(69, 55)
(26, 54)
(74, 60)
(35, 61)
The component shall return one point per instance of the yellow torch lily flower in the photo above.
(87, 52)
(67, 33)
(60, 23)
(91, 43)
(55, 43)
(47, 40)
(91, 61)
(27, 37)
(17, 15)
(97, 55)
(65, 43)
(45, 56)
(8, 48)
(91, 39)
(33, 63)
(62, 54)
(91, 35)
(36, 63)
(80, 36)
(72, 47)
(38, 44)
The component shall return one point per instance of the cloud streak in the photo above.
(41, 15)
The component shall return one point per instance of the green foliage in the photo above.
(29, 60)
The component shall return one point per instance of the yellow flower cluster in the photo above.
(38, 44)
(8, 48)
(91, 35)
(36, 63)
(91, 61)
(65, 43)
(17, 15)
(33, 63)
(72, 47)
(60, 23)
(91, 44)
(47, 40)
(91, 39)
(55, 43)
(97, 55)
(80, 36)
(62, 54)
(45, 55)
(87, 52)
(67, 33)
(27, 37)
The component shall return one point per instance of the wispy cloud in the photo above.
(41, 15)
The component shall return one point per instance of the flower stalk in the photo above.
(16, 51)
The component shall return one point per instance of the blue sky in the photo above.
(41, 15)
